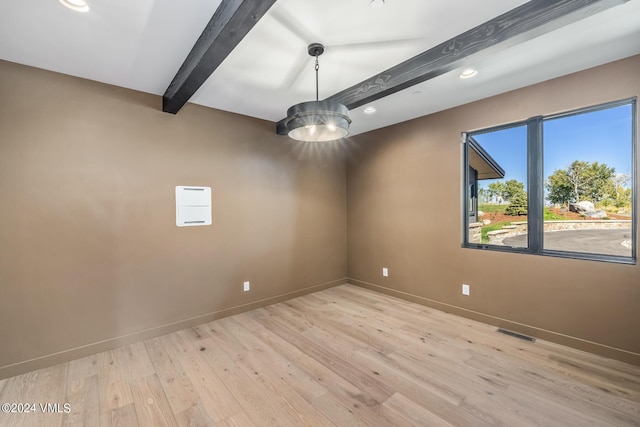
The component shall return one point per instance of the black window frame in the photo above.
(535, 186)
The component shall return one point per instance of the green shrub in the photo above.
(517, 205)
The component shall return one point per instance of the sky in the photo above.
(602, 136)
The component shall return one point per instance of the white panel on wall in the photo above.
(193, 206)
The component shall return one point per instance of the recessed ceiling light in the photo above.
(77, 5)
(376, 4)
(468, 73)
(417, 92)
(370, 109)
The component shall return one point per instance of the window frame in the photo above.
(535, 186)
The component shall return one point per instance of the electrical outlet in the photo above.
(247, 286)
(466, 289)
(385, 272)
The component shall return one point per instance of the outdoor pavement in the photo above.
(607, 242)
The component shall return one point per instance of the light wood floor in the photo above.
(344, 356)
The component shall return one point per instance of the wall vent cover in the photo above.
(516, 335)
(193, 206)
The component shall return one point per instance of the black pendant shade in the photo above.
(317, 120)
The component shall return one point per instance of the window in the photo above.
(561, 185)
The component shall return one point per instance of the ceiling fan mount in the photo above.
(316, 49)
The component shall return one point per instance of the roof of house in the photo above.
(481, 161)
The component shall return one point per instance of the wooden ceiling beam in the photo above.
(516, 26)
(231, 22)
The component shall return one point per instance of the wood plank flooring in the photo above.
(343, 356)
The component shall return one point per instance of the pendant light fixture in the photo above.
(317, 120)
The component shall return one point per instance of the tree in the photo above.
(495, 191)
(621, 193)
(597, 176)
(518, 204)
(623, 198)
(558, 187)
(512, 188)
(505, 191)
(580, 181)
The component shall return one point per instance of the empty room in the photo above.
(319, 213)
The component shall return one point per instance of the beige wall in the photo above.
(90, 256)
(404, 213)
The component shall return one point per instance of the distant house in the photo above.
(481, 166)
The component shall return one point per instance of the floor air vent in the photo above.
(516, 335)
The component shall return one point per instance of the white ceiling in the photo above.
(141, 44)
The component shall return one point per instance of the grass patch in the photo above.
(550, 216)
(492, 227)
(492, 208)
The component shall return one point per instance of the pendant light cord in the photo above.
(317, 68)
